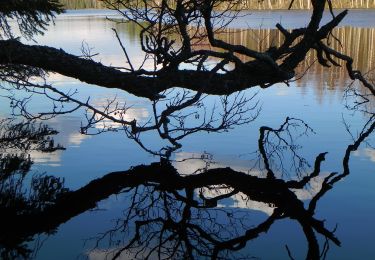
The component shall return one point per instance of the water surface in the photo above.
(318, 98)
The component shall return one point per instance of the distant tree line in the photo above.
(246, 4)
(81, 4)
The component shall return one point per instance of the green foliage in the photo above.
(31, 16)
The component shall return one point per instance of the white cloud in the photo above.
(191, 162)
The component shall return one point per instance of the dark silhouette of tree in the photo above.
(176, 216)
(20, 194)
(170, 32)
(172, 215)
(32, 16)
(170, 29)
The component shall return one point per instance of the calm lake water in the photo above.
(318, 98)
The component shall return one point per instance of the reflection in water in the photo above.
(247, 4)
(185, 209)
(356, 42)
(140, 114)
(188, 163)
(368, 152)
(19, 193)
(323, 78)
(68, 137)
(353, 41)
(172, 215)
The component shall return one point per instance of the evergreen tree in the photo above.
(31, 16)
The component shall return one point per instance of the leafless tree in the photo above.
(171, 213)
(171, 29)
(171, 35)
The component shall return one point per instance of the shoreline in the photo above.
(364, 18)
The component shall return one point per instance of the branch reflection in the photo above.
(20, 194)
(173, 215)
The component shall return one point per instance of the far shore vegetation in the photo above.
(246, 4)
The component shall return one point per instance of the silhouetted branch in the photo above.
(168, 32)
